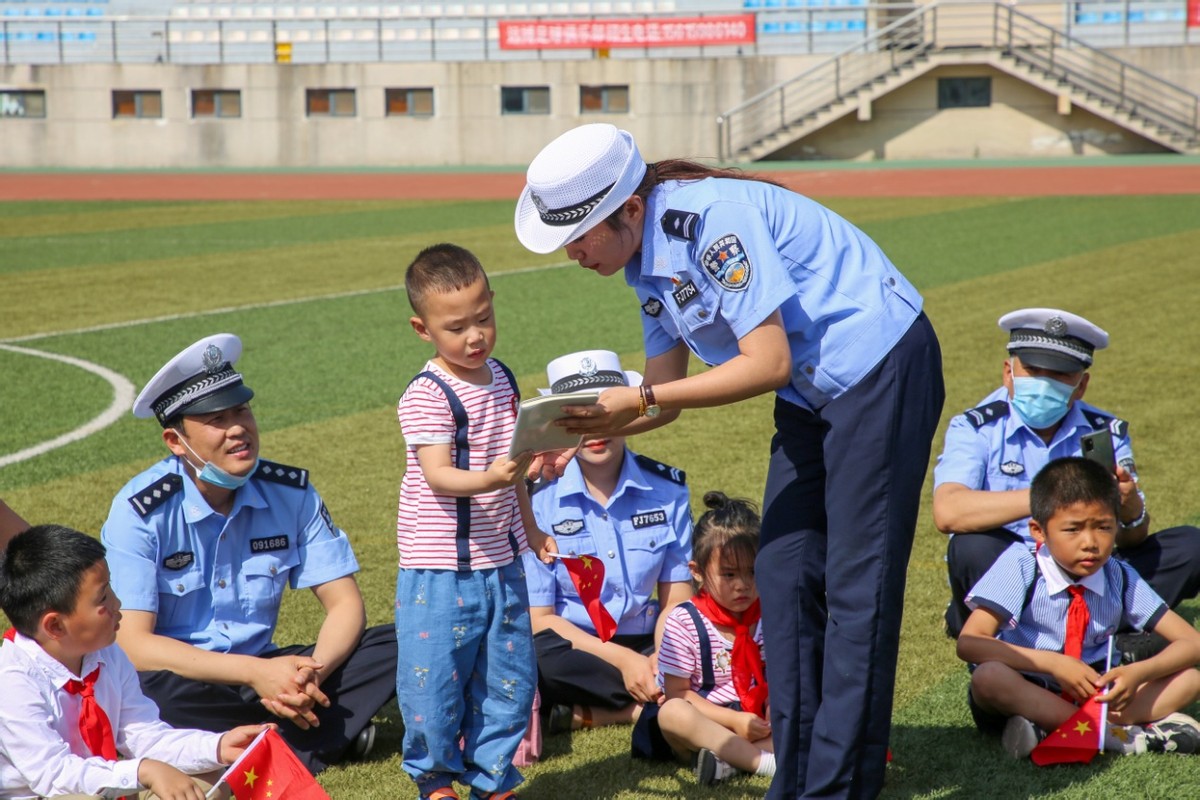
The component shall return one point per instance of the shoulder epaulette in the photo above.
(1118, 427)
(156, 494)
(978, 417)
(680, 224)
(659, 468)
(281, 473)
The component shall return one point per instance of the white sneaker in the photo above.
(710, 769)
(1020, 737)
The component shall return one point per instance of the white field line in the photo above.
(124, 391)
(123, 394)
(133, 323)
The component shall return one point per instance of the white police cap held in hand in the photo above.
(577, 181)
(199, 380)
(588, 369)
(1050, 338)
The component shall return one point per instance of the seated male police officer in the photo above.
(992, 452)
(201, 546)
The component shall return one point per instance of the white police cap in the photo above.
(1050, 338)
(199, 380)
(588, 369)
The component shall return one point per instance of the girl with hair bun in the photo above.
(711, 656)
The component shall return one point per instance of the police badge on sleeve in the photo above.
(727, 261)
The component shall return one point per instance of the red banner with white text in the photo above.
(1193, 13)
(645, 32)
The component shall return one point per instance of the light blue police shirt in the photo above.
(643, 536)
(990, 448)
(1116, 596)
(216, 582)
(720, 255)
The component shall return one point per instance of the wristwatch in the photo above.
(649, 408)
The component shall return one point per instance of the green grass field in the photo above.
(312, 288)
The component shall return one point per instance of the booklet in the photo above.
(536, 430)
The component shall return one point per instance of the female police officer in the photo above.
(775, 292)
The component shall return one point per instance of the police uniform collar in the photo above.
(196, 507)
(1057, 579)
(655, 258)
(632, 474)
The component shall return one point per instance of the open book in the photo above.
(535, 417)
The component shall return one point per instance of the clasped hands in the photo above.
(289, 687)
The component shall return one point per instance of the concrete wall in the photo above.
(1023, 121)
(673, 108)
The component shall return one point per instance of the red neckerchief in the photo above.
(94, 726)
(749, 677)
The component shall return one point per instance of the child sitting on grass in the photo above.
(1041, 622)
(71, 704)
(711, 654)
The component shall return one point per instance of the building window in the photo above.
(31, 103)
(140, 104)
(525, 100)
(603, 99)
(964, 92)
(409, 102)
(216, 103)
(329, 102)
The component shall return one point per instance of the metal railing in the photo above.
(958, 27)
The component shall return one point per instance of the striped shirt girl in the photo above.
(680, 654)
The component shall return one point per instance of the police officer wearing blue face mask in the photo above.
(992, 452)
(201, 547)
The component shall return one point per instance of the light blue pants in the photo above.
(466, 675)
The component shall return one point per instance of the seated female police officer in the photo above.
(631, 513)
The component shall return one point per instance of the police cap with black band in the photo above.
(199, 380)
(1053, 339)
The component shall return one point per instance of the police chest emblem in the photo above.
(648, 518)
(178, 560)
(568, 527)
(268, 544)
(727, 262)
(1012, 468)
(652, 307)
(685, 294)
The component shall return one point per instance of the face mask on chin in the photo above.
(1041, 402)
(213, 474)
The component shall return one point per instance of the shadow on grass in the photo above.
(570, 767)
(957, 762)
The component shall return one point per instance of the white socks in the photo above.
(766, 764)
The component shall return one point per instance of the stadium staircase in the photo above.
(992, 34)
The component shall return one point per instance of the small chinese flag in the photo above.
(587, 573)
(269, 770)
(1076, 741)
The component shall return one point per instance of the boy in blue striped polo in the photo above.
(1040, 623)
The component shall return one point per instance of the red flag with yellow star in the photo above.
(269, 770)
(587, 573)
(1076, 741)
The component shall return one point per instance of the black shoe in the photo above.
(1174, 733)
(1138, 646)
(362, 745)
(710, 770)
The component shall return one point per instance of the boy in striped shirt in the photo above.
(467, 672)
(1036, 655)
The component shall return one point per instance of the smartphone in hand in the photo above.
(1098, 446)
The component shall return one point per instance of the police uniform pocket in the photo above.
(581, 544)
(699, 312)
(264, 576)
(181, 604)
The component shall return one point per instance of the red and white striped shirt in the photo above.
(679, 654)
(426, 522)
